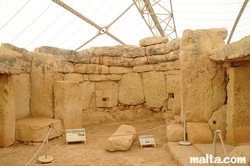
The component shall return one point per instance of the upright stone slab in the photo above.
(106, 94)
(68, 103)
(203, 85)
(21, 86)
(88, 89)
(131, 91)
(41, 84)
(238, 107)
(154, 89)
(7, 111)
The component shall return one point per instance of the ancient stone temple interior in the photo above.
(197, 73)
(159, 102)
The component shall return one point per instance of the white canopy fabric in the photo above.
(34, 23)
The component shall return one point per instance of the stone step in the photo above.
(182, 154)
(34, 129)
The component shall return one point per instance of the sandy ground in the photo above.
(93, 153)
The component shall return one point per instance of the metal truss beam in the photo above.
(102, 30)
(237, 20)
(159, 23)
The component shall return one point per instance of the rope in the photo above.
(40, 146)
(94, 135)
(223, 146)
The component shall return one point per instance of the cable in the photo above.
(31, 23)
(40, 146)
(15, 14)
(208, 4)
(48, 27)
(66, 25)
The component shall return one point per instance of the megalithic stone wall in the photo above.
(203, 86)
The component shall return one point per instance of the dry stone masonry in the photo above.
(197, 73)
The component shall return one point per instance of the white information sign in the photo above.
(75, 135)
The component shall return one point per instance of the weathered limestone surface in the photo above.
(144, 68)
(234, 51)
(69, 55)
(68, 103)
(130, 89)
(238, 114)
(153, 40)
(21, 88)
(7, 111)
(118, 61)
(122, 139)
(35, 129)
(175, 132)
(241, 151)
(106, 94)
(120, 70)
(154, 89)
(88, 89)
(12, 62)
(73, 77)
(173, 92)
(222, 32)
(218, 120)
(203, 87)
(199, 133)
(133, 51)
(156, 49)
(42, 79)
(172, 45)
(112, 51)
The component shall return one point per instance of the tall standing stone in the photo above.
(68, 103)
(7, 111)
(154, 87)
(203, 87)
(238, 107)
(131, 91)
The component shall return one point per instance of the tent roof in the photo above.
(31, 23)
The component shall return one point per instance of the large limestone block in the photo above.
(156, 49)
(96, 69)
(154, 89)
(167, 66)
(199, 133)
(88, 89)
(153, 40)
(106, 94)
(21, 86)
(12, 62)
(238, 114)
(155, 59)
(218, 120)
(68, 103)
(143, 68)
(222, 32)
(133, 51)
(117, 61)
(175, 132)
(64, 66)
(130, 89)
(41, 84)
(69, 55)
(112, 51)
(73, 77)
(97, 77)
(141, 61)
(120, 70)
(241, 151)
(172, 45)
(122, 139)
(35, 129)
(7, 111)
(234, 51)
(203, 85)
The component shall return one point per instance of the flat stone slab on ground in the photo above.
(34, 129)
(122, 139)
